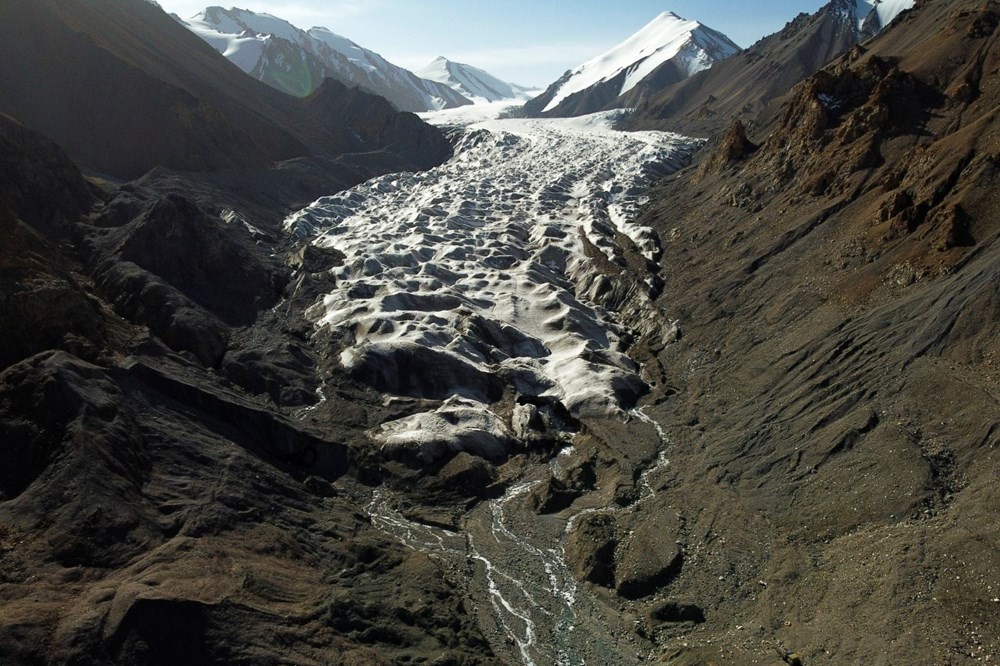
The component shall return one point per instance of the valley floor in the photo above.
(493, 297)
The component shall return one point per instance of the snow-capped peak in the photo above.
(296, 61)
(229, 21)
(472, 82)
(666, 37)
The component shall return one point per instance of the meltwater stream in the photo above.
(534, 601)
(475, 282)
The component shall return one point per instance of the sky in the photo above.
(529, 42)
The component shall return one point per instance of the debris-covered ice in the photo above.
(472, 279)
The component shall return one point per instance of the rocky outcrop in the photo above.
(43, 304)
(733, 147)
(151, 493)
(590, 550)
(379, 124)
(183, 273)
(38, 182)
(213, 264)
(650, 558)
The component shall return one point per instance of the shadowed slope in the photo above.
(123, 87)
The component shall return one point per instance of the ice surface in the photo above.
(472, 279)
(464, 116)
(458, 425)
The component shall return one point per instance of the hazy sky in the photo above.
(530, 42)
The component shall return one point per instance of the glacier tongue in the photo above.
(471, 282)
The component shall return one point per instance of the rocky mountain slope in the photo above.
(128, 89)
(669, 45)
(835, 406)
(471, 82)
(296, 61)
(154, 499)
(497, 412)
(741, 86)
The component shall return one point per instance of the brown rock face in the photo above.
(835, 430)
(733, 147)
(218, 269)
(152, 498)
(42, 302)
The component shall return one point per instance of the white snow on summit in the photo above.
(294, 60)
(476, 84)
(667, 37)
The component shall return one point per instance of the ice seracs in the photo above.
(475, 283)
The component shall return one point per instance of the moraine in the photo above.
(472, 288)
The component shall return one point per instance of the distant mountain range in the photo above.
(472, 82)
(673, 63)
(296, 61)
(663, 66)
(128, 89)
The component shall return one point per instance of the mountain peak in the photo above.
(870, 16)
(472, 82)
(689, 45)
(668, 16)
(296, 61)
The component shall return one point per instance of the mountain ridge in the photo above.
(471, 82)
(165, 98)
(743, 85)
(295, 61)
